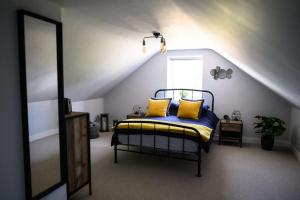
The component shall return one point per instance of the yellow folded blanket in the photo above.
(203, 130)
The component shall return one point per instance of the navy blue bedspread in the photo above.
(207, 118)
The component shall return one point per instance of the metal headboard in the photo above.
(191, 90)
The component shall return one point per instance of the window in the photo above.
(185, 72)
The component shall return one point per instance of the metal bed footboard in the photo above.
(156, 151)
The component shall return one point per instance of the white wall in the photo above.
(239, 93)
(295, 131)
(11, 150)
(92, 106)
(42, 119)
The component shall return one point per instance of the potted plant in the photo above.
(269, 127)
(183, 94)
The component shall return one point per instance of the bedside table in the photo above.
(135, 116)
(231, 130)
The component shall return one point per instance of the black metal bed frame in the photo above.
(157, 151)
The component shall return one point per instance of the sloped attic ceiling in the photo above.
(102, 39)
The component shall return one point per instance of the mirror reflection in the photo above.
(42, 97)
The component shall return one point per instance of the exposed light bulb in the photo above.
(144, 46)
(165, 49)
(162, 45)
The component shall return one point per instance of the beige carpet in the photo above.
(228, 172)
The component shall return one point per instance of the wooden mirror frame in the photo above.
(23, 87)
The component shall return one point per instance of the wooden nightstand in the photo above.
(231, 130)
(135, 116)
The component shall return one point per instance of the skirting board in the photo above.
(44, 134)
(281, 143)
(256, 140)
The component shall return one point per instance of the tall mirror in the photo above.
(42, 103)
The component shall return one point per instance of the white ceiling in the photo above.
(102, 39)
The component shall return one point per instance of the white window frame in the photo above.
(170, 58)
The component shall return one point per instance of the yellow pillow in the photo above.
(157, 107)
(189, 109)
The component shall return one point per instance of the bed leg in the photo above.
(116, 155)
(199, 163)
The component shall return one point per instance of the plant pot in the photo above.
(267, 142)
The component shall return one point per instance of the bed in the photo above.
(169, 136)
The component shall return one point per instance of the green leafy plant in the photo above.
(183, 94)
(271, 126)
